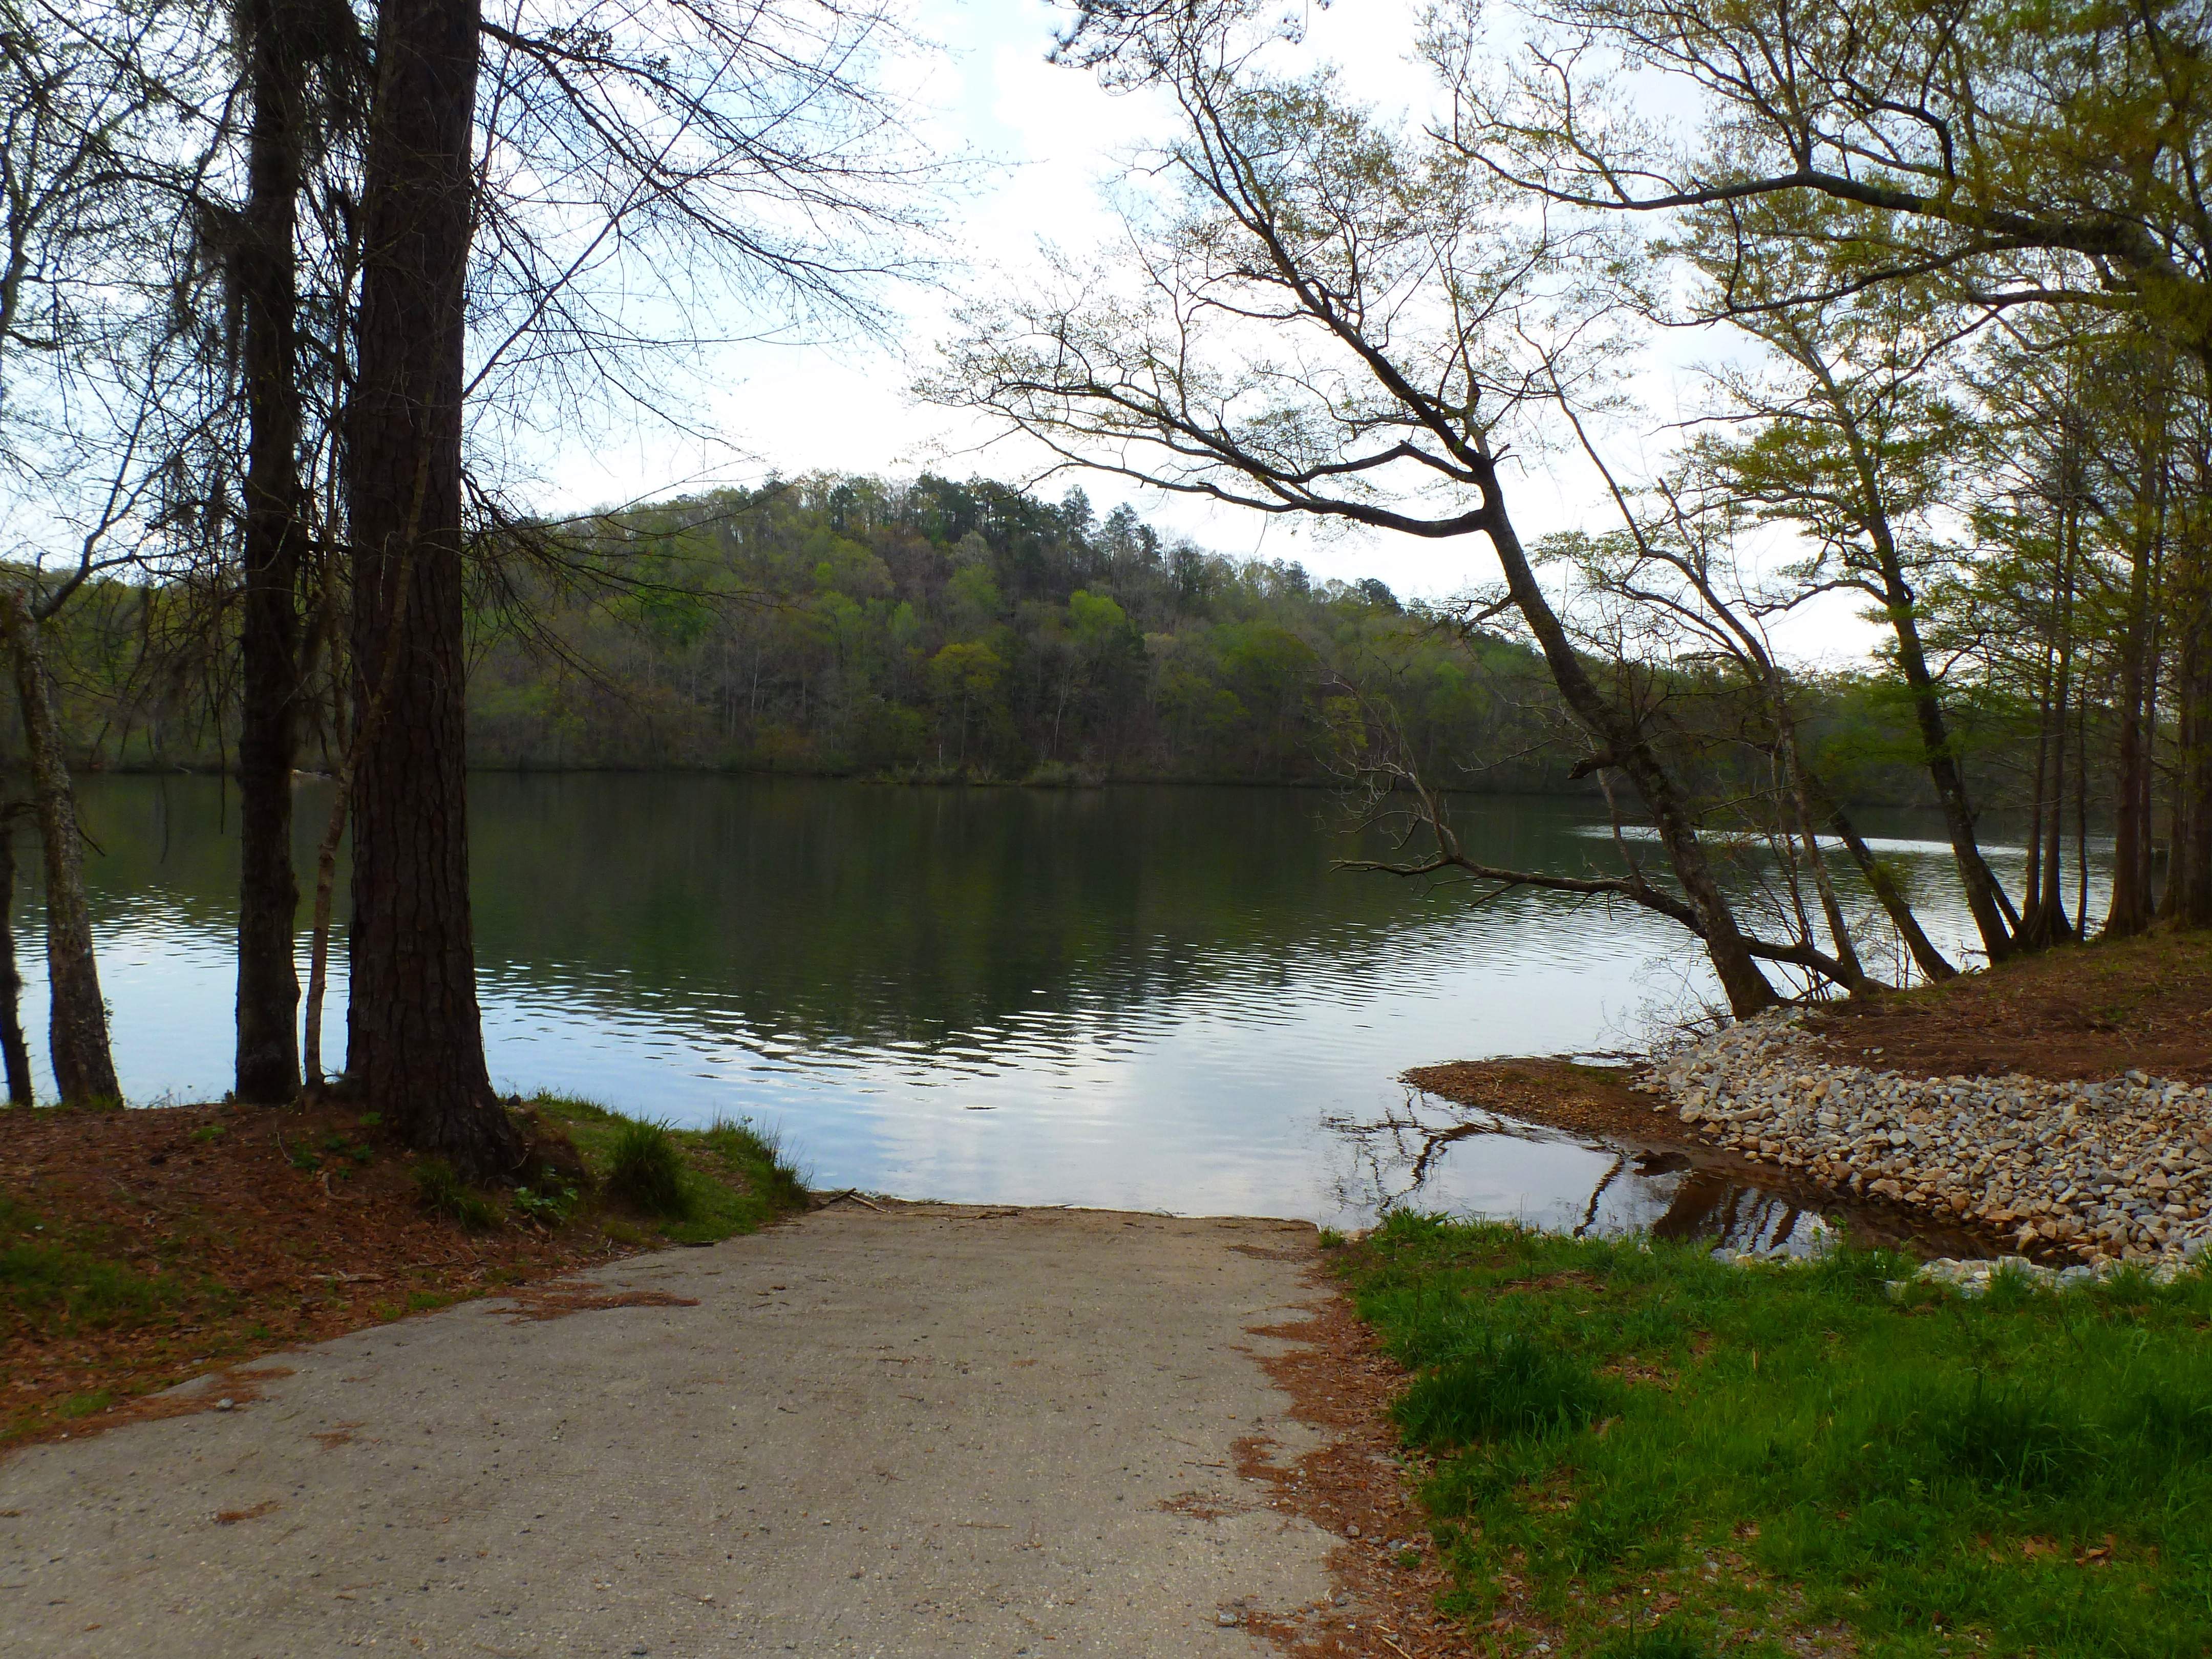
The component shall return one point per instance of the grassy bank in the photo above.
(690, 1186)
(1635, 1451)
(140, 1248)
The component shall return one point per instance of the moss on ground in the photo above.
(1631, 1449)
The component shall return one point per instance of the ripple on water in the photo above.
(1165, 999)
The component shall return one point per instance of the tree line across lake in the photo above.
(937, 632)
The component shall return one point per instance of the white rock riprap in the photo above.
(2115, 1171)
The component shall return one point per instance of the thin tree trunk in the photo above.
(1925, 957)
(2053, 926)
(2082, 819)
(1986, 899)
(84, 1070)
(1800, 800)
(1747, 989)
(2147, 774)
(2131, 909)
(2031, 889)
(268, 1069)
(2189, 877)
(13, 1050)
(415, 1030)
(2044, 921)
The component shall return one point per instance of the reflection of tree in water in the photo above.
(1396, 1160)
(829, 913)
(1706, 1204)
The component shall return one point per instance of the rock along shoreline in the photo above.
(2113, 1173)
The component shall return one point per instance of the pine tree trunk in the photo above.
(415, 1033)
(2146, 774)
(2031, 885)
(2081, 926)
(84, 1071)
(268, 1070)
(2052, 924)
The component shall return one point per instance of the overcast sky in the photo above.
(1049, 138)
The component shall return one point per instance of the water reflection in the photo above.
(1136, 996)
(1426, 1154)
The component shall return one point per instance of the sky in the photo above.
(1048, 139)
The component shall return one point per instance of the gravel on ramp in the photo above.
(919, 1431)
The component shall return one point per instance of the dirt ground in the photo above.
(913, 1429)
(138, 1249)
(1558, 1093)
(2088, 1012)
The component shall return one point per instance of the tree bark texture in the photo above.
(415, 1033)
(1930, 961)
(2189, 882)
(14, 1051)
(2131, 909)
(84, 1070)
(1984, 900)
(1745, 986)
(268, 1068)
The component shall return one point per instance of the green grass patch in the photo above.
(441, 1191)
(77, 1406)
(693, 1186)
(646, 1171)
(52, 1285)
(1767, 1452)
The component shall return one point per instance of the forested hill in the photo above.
(942, 630)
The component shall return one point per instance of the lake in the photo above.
(1152, 997)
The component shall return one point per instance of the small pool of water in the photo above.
(1427, 1153)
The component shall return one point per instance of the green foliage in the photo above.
(647, 1172)
(441, 1190)
(550, 1204)
(1780, 1447)
(730, 1178)
(944, 631)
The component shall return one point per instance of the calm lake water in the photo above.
(1136, 996)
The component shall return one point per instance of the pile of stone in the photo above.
(1975, 1278)
(2114, 1172)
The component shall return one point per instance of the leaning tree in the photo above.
(1324, 316)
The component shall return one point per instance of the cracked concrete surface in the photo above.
(927, 1431)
